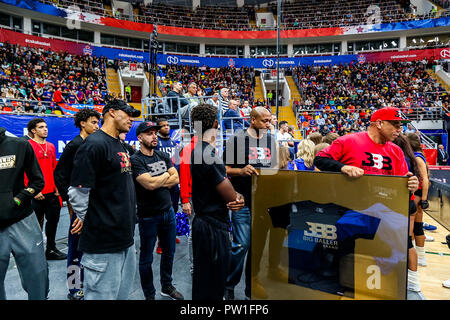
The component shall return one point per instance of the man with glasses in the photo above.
(373, 152)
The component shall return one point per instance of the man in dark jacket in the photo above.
(87, 121)
(20, 232)
(177, 92)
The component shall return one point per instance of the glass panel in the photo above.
(210, 49)
(327, 47)
(194, 48)
(51, 29)
(17, 23)
(5, 20)
(135, 43)
(182, 48)
(121, 41)
(231, 50)
(68, 33)
(107, 39)
(86, 36)
(170, 46)
(220, 50)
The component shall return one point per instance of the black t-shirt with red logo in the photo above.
(103, 165)
(241, 150)
(151, 202)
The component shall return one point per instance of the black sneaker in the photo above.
(172, 292)
(78, 295)
(228, 294)
(55, 254)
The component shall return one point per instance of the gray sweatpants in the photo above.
(109, 276)
(24, 240)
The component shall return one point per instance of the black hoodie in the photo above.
(16, 157)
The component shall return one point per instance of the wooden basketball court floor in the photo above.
(438, 263)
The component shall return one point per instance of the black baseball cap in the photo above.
(146, 125)
(121, 105)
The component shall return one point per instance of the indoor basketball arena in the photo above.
(237, 150)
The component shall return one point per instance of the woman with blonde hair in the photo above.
(305, 155)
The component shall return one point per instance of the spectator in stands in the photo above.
(315, 137)
(305, 155)
(223, 99)
(246, 109)
(175, 99)
(214, 100)
(283, 134)
(235, 121)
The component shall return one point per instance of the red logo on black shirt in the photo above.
(125, 163)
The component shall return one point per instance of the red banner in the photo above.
(411, 55)
(228, 34)
(431, 156)
(40, 42)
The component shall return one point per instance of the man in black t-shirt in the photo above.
(87, 121)
(245, 151)
(103, 197)
(212, 196)
(154, 175)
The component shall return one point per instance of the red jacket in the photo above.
(185, 170)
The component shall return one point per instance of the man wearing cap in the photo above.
(373, 152)
(154, 174)
(103, 198)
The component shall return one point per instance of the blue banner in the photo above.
(257, 63)
(112, 53)
(60, 130)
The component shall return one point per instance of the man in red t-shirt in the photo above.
(373, 152)
(46, 203)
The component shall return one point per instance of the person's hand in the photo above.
(352, 171)
(238, 204)
(39, 196)
(413, 182)
(248, 170)
(77, 225)
(186, 207)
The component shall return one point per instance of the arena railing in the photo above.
(14, 104)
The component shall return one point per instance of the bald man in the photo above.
(245, 151)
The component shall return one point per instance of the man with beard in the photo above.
(87, 121)
(154, 175)
(103, 197)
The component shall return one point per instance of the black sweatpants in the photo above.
(212, 254)
(50, 207)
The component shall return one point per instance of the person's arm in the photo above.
(173, 178)
(152, 183)
(63, 170)
(234, 200)
(87, 163)
(326, 161)
(424, 177)
(34, 175)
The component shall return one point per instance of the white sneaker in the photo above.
(429, 238)
(422, 262)
(446, 283)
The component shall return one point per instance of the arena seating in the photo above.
(41, 75)
(296, 15)
(354, 91)
(240, 81)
